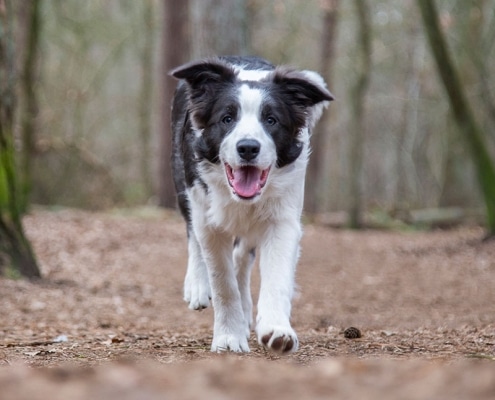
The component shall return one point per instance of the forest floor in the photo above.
(108, 320)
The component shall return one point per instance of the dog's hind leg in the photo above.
(197, 292)
(244, 256)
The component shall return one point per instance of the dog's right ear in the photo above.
(200, 73)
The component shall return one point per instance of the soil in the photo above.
(108, 319)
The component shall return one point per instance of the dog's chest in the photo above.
(239, 219)
(250, 221)
(218, 210)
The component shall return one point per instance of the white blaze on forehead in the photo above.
(250, 101)
(251, 75)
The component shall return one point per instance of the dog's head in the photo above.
(250, 122)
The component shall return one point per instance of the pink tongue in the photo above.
(246, 181)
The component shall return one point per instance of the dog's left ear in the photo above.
(304, 88)
(305, 91)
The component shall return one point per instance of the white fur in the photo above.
(317, 110)
(251, 75)
(270, 223)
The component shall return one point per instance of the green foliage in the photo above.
(4, 190)
(10, 272)
(12, 199)
(15, 250)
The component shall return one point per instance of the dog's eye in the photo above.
(227, 119)
(271, 121)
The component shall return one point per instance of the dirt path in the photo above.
(112, 304)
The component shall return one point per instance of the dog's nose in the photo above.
(248, 149)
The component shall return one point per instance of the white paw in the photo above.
(197, 292)
(277, 338)
(236, 344)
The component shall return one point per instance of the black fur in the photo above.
(208, 97)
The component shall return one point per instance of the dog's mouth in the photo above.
(247, 181)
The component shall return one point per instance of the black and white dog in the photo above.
(241, 131)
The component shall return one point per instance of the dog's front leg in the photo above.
(229, 332)
(278, 258)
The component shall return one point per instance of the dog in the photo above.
(240, 147)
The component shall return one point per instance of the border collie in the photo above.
(241, 129)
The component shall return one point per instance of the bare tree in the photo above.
(29, 93)
(461, 108)
(15, 249)
(357, 131)
(145, 98)
(403, 176)
(175, 51)
(220, 27)
(479, 44)
(316, 173)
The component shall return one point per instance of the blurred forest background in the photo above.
(93, 96)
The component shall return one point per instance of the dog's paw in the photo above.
(197, 293)
(278, 339)
(236, 344)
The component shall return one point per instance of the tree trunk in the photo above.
(479, 38)
(316, 173)
(29, 93)
(219, 27)
(175, 52)
(461, 109)
(357, 130)
(14, 246)
(403, 176)
(145, 98)
(17, 249)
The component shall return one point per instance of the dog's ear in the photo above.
(203, 80)
(200, 73)
(304, 88)
(305, 92)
